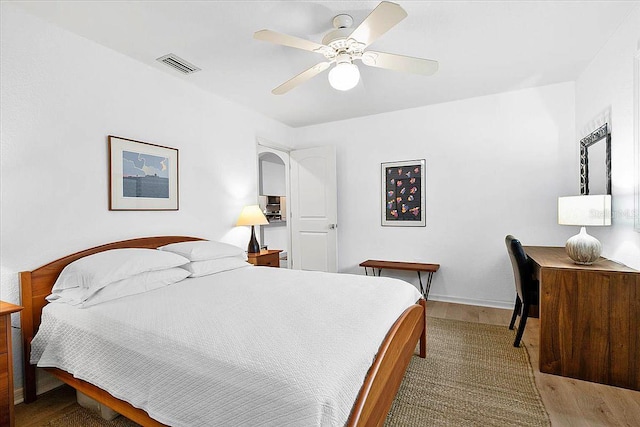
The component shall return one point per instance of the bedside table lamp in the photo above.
(252, 215)
(584, 210)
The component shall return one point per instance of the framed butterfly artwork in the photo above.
(404, 188)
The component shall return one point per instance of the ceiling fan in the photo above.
(343, 46)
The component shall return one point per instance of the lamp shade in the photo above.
(252, 215)
(584, 210)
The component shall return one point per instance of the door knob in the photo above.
(333, 226)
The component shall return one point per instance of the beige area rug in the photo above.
(81, 417)
(472, 376)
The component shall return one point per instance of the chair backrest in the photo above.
(521, 265)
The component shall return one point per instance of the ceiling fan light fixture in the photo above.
(342, 45)
(344, 76)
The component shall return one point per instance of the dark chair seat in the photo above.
(527, 287)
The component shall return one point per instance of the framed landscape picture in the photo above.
(404, 188)
(142, 176)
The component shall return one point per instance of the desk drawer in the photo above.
(269, 260)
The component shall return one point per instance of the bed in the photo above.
(366, 405)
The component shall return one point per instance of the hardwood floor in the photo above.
(49, 406)
(569, 402)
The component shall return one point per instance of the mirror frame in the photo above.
(594, 137)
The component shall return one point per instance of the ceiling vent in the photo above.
(178, 64)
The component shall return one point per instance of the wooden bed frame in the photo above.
(371, 406)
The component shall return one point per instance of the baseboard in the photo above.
(18, 395)
(471, 301)
(43, 385)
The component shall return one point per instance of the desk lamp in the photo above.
(252, 215)
(584, 210)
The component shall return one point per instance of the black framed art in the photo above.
(404, 188)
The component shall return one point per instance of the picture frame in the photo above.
(404, 189)
(142, 176)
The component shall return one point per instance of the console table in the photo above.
(589, 318)
(406, 266)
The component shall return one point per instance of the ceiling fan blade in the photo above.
(286, 40)
(395, 62)
(301, 78)
(380, 20)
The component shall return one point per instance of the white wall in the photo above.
(61, 96)
(495, 165)
(604, 92)
(272, 176)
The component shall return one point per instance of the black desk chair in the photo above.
(526, 285)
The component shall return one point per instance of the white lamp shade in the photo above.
(252, 215)
(344, 76)
(584, 210)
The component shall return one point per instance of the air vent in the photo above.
(178, 64)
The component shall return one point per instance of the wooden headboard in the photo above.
(36, 286)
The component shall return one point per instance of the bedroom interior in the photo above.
(499, 124)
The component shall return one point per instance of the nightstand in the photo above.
(6, 365)
(267, 258)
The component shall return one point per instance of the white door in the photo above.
(313, 209)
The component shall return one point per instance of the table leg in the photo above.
(423, 335)
(423, 291)
(373, 271)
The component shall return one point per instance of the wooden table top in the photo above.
(8, 308)
(556, 257)
(400, 265)
(264, 252)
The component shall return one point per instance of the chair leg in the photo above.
(521, 325)
(516, 311)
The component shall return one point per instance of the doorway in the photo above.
(298, 194)
(273, 194)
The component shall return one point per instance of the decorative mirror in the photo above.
(595, 162)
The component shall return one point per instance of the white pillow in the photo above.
(73, 296)
(143, 282)
(203, 250)
(138, 284)
(98, 270)
(212, 266)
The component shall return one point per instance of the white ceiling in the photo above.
(483, 47)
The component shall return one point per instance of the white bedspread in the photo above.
(247, 347)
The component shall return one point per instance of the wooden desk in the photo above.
(406, 266)
(589, 318)
(6, 365)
